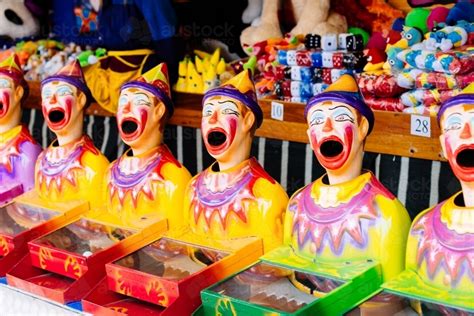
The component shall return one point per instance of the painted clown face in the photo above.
(225, 124)
(457, 140)
(138, 115)
(334, 134)
(10, 97)
(62, 104)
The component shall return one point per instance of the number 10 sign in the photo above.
(420, 125)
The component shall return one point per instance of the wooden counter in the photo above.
(391, 133)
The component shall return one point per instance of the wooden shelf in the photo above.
(391, 133)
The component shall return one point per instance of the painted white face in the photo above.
(7, 98)
(327, 60)
(457, 140)
(291, 58)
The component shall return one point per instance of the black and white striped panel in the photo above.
(417, 183)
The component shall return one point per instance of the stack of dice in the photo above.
(303, 73)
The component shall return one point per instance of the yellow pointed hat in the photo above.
(242, 88)
(465, 97)
(10, 67)
(156, 82)
(344, 90)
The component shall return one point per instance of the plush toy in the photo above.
(463, 10)
(437, 15)
(19, 18)
(418, 18)
(410, 37)
(312, 16)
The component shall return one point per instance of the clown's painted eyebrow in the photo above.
(142, 94)
(339, 106)
(227, 101)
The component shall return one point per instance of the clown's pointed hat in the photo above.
(241, 88)
(344, 90)
(465, 97)
(156, 82)
(10, 67)
(71, 73)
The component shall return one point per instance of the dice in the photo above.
(291, 58)
(296, 73)
(312, 41)
(337, 58)
(281, 57)
(354, 42)
(342, 42)
(327, 60)
(327, 75)
(303, 58)
(317, 75)
(329, 42)
(317, 59)
(306, 74)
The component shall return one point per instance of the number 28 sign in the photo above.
(421, 125)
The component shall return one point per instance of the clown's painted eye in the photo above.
(46, 94)
(4, 83)
(207, 110)
(343, 118)
(317, 118)
(63, 91)
(453, 122)
(122, 101)
(452, 126)
(229, 108)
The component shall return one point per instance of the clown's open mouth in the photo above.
(2, 108)
(56, 116)
(129, 127)
(465, 158)
(216, 138)
(331, 148)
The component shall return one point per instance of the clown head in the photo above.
(230, 116)
(338, 123)
(144, 105)
(13, 90)
(64, 97)
(456, 119)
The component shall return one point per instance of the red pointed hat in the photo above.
(72, 74)
(156, 82)
(10, 67)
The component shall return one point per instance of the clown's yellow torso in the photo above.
(71, 172)
(357, 220)
(144, 189)
(241, 202)
(440, 247)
